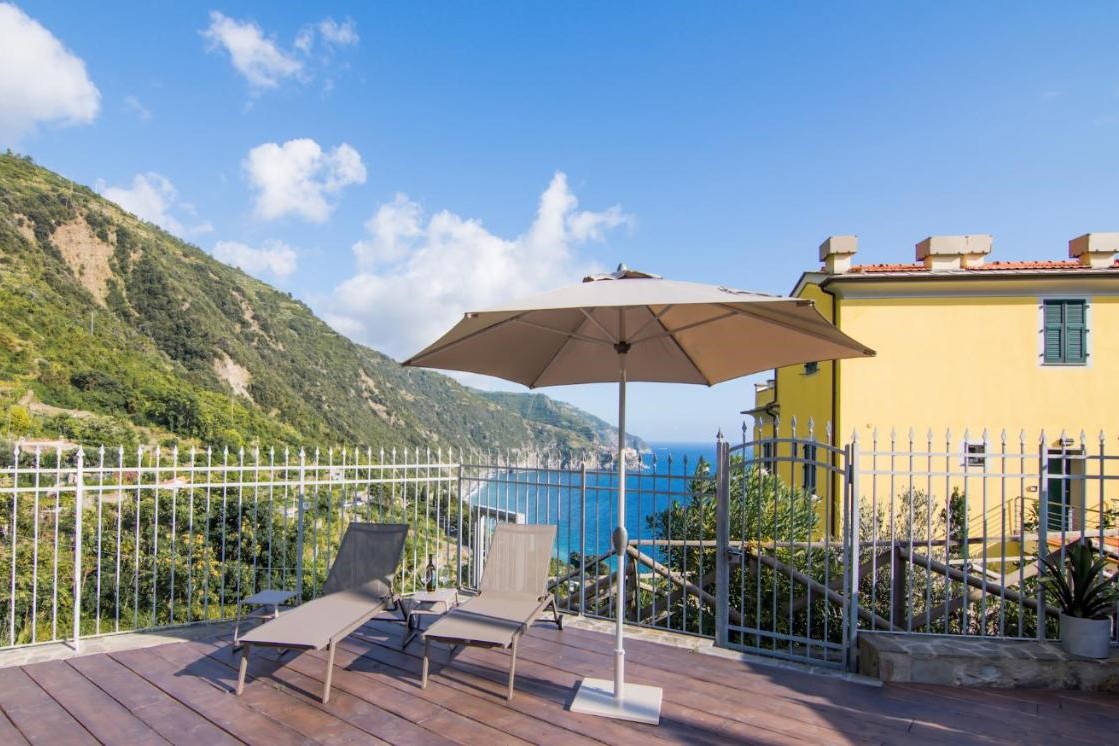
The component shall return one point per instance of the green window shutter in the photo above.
(1075, 328)
(1064, 333)
(1052, 332)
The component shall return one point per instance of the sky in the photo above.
(394, 165)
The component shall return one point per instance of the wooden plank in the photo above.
(457, 716)
(98, 713)
(374, 676)
(167, 716)
(294, 702)
(746, 679)
(848, 707)
(378, 648)
(9, 734)
(38, 717)
(554, 685)
(370, 715)
(789, 719)
(208, 699)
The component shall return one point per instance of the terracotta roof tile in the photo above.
(1063, 264)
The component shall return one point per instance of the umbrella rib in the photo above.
(672, 337)
(655, 318)
(594, 321)
(782, 323)
(560, 332)
(456, 342)
(686, 327)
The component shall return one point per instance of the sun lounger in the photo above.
(358, 588)
(512, 594)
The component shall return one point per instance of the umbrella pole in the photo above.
(601, 696)
(621, 539)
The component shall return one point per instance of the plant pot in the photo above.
(1088, 638)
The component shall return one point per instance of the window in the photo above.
(811, 368)
(809, 474)
(1064, 487)
(767, 456)
(1064, 332)
(975, 455)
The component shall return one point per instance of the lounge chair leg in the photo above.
(556, 614)
(423, 674)
(329, 673)
(242, 669)
(512, 669)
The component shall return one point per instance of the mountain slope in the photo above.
(547, 411)
(112, 330)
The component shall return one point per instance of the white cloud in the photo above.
(40, 80)
(134, 105)
(264, 62)
(338, 34)
(275, 257)
(298, 177)
(332, 33)
(416, 279)
(152, 197)
(392, 230)
(254, 55)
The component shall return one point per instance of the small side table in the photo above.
(267, 605)
(422, 604)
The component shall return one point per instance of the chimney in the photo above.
(954, 252)
(1094, 250)
(836, 253)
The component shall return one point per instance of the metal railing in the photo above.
(166, 538)
(952, 528)
(783, 544)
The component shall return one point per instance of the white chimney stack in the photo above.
(954, 252)
(1095, 250)
(836, 253)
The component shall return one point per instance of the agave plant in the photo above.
(1081, 588)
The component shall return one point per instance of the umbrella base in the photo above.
(641, 704)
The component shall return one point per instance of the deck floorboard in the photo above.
(183, 693)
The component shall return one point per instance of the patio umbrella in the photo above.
(632, 326)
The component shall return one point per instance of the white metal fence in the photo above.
(787, 545)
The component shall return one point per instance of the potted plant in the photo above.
(1086, 596)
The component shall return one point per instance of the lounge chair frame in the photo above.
(359, 601)
(504, 636)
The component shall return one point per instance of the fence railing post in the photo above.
(853, 557)
(722, 540)
(461, 502)
(302, 492)
(79, 497)
(1042, 529)
(583, 538)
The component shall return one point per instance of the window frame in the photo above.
(808, 468)
(975, 455)
(1085, 361)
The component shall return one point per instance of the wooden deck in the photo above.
(181, 693)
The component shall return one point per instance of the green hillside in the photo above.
(547, 411)
(113, 331)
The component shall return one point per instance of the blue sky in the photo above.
(395, 164)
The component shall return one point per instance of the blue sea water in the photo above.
(559, 497)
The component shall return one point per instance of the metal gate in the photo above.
(783, 529)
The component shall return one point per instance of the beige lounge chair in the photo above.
(512, 594)
(358, 588)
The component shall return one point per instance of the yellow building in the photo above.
(964, 346)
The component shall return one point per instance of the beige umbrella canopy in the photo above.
(672, 332)
(634, 326)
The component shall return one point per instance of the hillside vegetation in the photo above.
(113, 331)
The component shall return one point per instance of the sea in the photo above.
(556, 496)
